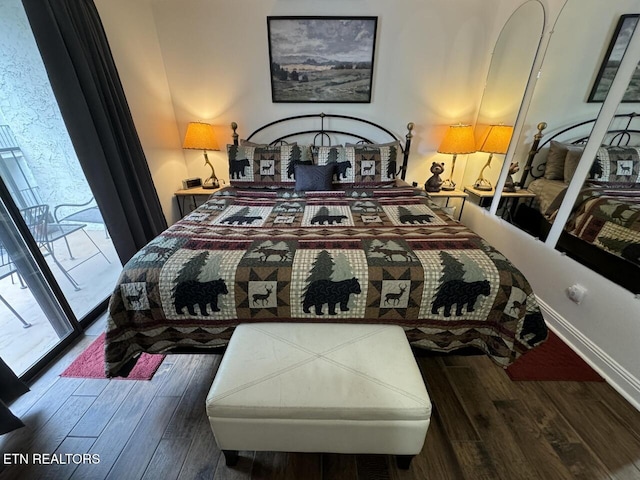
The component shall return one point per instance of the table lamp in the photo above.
(458, 140)
(496, 141)
(200, 136)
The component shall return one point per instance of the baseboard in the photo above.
(615, 374)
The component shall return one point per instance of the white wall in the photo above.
(428, 63)
(186, 60)
(133, 38)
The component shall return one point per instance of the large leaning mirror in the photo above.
(510, 68)
(561, 105)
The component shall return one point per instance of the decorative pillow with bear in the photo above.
(366, 165)
(619, 164)
(269, 166)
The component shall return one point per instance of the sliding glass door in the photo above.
(58, 264)
(32, 320)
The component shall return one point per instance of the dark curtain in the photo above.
(86, 84)
(11, 387)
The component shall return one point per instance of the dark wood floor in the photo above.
(483, 427)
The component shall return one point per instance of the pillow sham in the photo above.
(265, 166)
(619, 164)
(367, 165)
(571, 162)
(314, 177)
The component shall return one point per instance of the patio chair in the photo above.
(37, 219)
(8, 268)
(79, 213)
(76, 218)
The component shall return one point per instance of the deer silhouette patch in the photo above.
(395, 294)
(135, 296)
(263, 294)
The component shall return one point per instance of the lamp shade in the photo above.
(200, 136)
(458, 140)
(497, 140)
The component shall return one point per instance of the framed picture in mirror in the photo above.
(609, 67)
(321, 59)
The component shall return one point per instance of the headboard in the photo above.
(622, 132)
(314, 126)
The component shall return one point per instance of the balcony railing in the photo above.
(7, 140)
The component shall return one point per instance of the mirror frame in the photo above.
(524, 97)
(543, 46)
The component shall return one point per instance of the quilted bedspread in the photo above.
(609, 218)
(372, 256)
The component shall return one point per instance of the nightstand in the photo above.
(449, 194)
(508, 200)
(195, 193)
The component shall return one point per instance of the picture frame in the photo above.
(321, 59)
(609, 67)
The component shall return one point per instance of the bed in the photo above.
(369, 248)
(603, 230)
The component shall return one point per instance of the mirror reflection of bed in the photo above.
(560, 99)
(603, 229)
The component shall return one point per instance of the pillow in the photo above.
(265, 165)
(619, 164)
(314, 177)
(554, 169)
(369, 165)
(571, 162)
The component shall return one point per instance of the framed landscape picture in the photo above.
(321, 59)
(611, 63)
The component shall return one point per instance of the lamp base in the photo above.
(482, 184)
(211, 183)
(448, 185)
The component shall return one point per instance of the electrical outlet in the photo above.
(576, 293)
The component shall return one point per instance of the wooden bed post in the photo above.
(407, 148)
(234, 127)
(532, 153)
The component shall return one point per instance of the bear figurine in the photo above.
(509, 185)
(434, 182)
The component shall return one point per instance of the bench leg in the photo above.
(404, 461)
(230, 457)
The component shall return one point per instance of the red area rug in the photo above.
(91, 364)
(553, 360)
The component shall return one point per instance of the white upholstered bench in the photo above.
(335, 388)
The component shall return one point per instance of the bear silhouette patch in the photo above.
(461, 294)
(332, 293)
(192, 292)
